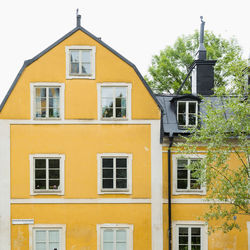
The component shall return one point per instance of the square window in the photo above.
(114, 101)
(187, 113)
(47, 101)
(115, 237)
(47, 237)
(185, 181)
(114, 173)
(47, 174)
(189, 235)
(80, 62)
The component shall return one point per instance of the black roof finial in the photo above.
(78, 18)
(201, 53)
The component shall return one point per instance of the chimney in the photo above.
(203, 69)
(78, 19)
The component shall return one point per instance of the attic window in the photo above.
(187, 113)
(80, 62)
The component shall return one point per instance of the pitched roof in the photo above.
(28, 62)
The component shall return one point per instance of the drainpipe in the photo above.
(171, 139)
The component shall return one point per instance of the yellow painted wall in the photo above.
(80, 144)
(80, 94)
(81, 221)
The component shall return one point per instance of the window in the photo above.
(47, 101)
(114, 101)
(189, 236)
(114, 173)
(115, 237)
(80, 62)
(47, 174)
(185, 180)
(47, 237)
(187, 113)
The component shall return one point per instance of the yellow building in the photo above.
(84, 157)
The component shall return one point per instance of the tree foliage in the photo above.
(170, 67)
(224, 130)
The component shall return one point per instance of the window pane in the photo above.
(121, 163)
(40, 184)
(192, 107)
(54, 163)
(86, 56)
(195, 231)
(40, 163)
(108, 246)
(107, 183)
(74, 56)
(182, 107)
(86, 68)
(54, 236)
(121, 183)
(192, 119)
(195, 247)
(121, 236)
(40, 235)
(182, 174)
(121, 246)
(121, 173)
(183, 239)
(54, 92)
(107, 112)
(182, 184)
(118, 102)
(40, 174)
(41, 92)
(54, 246)
(182, 119)
(74, 68)
(54, 174)
(196, 240)
(107, 92)
(40, 246)
(54, 184)
(120, 113)
(107, 163)
(108, 235)
(183, 247)
(181, 163)
(107, 102)
(121, 92)
(183, 231)
(107, 173)
(194, 184)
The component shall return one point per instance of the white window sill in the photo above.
(47, 193)
(115, 191)
(181, 192)
(80, 77)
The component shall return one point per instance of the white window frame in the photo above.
(187, 113)
(33, 87)
(60, 227)
(189, 224)
(176, 191)
(60, 190)
(128, 190)
(99, 100)
(128, 227)
(80, 47)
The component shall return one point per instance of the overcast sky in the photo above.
(137, 29)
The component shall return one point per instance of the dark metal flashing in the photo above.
(188, 96)
(28, 62)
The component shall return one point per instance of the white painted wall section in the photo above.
(156, 187)
(4, 185)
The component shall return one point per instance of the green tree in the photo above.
(170, 67)
(224, 130)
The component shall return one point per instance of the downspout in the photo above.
(171, 139)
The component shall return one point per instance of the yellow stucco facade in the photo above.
(81, 211)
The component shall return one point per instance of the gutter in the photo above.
(171, 140)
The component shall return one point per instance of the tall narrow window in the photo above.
(189, 238)
(114, 173)
(185, 177)
(114, 102)
(187, 113)
(47, 102)
(47, 174)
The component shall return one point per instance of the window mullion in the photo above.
(187, 105)
(189, 174)
(47, 239)
(80, 60)
(189, 238)
(47, 102)
(115, 231)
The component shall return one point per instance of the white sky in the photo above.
(137, 29)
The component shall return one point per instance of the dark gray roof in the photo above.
(28, 62)
(169, 116)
